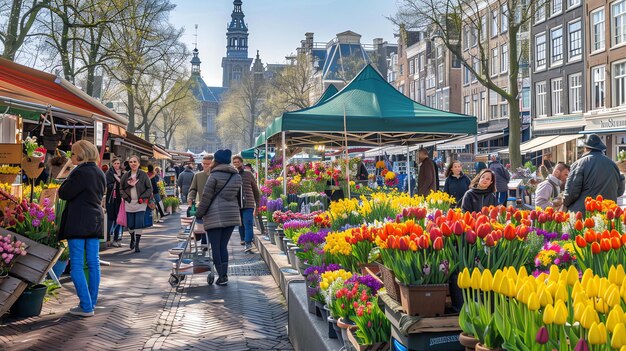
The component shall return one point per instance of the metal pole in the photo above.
(475, 145)
(345, 130)
(266, 156)
(284, 165)
(258, 166)
(408, 169)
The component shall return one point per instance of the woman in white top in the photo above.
(136, 192)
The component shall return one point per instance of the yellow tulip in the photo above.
(551, 286)
(572, 276)
(560, 313)
(620, 275)
(622, 290)
(596, 336)
(587, 275)
(592, 287)
(486, 281)
(545, 298)
(580, 298)
(612, 275)
(619, 336)
(475, 279)
(603, 285)
(561, 292)
(554, 273)
(611, 296)
(616, 316)
(563, 276)
(577, 288)
(541, 278)
(464, 280)
(579, 311)
(601, 305)
(512, 273)
(522, 273)
(548, 314)
(510, 288)
(533, 302)
(589, 317)
(498, 278)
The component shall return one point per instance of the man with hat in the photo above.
(592, 175)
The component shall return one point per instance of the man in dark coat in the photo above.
(592, 175)
(184, 182)
(427, 175)
(502, 179)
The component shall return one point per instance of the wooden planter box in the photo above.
(10, 290)
(39, 259)
(375, 347)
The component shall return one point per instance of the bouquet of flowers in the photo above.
(554, 254)
(32, 148)
(313, 277)
(10, 249)
(34, 221)
(273, 206)
(311, 245)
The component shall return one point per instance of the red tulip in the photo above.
(589, 223)
(605, 245)
(522, 231)
(435, 233)
(438, 214)
(438, 244)
(421, 213)
(595, 248)
(579, 216)
(422, 242)
(517, 215)
(579, 225)
(489, 241)
(615, 243)
(533, 215)
(458, 227)
(403, 244)
(610, 215)
(493, 214)
(618, 212)
(509, 232)
(470, 237)
(483, 230)
(445, 229)
(581, 242)
(451, 215)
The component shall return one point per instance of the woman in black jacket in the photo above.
(482, 192)
(82, 223)
(136, 191)
(457, 183)
(113, 201)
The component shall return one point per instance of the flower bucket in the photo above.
(271, 227)
(389, 280)
(381, 346)
(7, 178)
(30, 302)
(32, 166)
(59, 267)
(346, 327)
(423, 300)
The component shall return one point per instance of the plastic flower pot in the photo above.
(325, 316)
(423, 300)
(333, 323)
(29, 304)
(59, 267)
(279, 242)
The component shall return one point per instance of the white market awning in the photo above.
(463, 142)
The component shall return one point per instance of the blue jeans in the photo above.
(501, 197)
(246, 230)
(79, 250)
(219, 238)
(115, 231)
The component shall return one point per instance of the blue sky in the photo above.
(277, 26)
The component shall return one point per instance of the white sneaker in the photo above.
(115, 244)
(78, 311)
(248, 247)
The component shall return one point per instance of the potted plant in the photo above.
(374, 329)
(32, 164)
(10, 250)
(273, 206)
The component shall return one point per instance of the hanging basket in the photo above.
(7, 178)
(32, 166)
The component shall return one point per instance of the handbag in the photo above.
(148, 218)
(121, 215)
(151, 203)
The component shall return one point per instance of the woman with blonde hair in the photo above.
(136, 191)
(82, 223)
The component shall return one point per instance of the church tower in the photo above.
(236, 63)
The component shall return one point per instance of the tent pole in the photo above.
(266, 159)
(345, 131)
(284, 165)
(256, 156)
(476, 144)
(408, 169)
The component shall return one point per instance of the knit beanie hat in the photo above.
(223, 156)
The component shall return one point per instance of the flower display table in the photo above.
(10, 290)
(33, 267)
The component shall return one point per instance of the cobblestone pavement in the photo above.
(138, 310)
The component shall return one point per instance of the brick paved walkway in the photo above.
(138, 310)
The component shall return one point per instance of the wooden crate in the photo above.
(10, 290)
(39, 259)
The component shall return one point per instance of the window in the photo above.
(619, 84)
(540, 51)
(504, 110)
(493, 104)
(412, 90)
(504, 58)
(575, 40)
(476, 67)
(504, 22)
(575, 93)
(541, 99)
(557, 7)
(556, 36)
(440, 72)
(557, 96)
(483, 27)
(597, 85)
(494, 23)
(466, 41)
(475, 105)
(466, 105)
(236, 74)
(411, 67)
(572, 3)
(597, 30)
(466, 76)
(540, 14)
(483, 107)
(618, 10)
(494, 61)
(473, 36)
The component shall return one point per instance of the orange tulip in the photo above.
(605, 245)
(522, 231)
(438, 244)
(509, 232)
(590, 236)
(581, 242)
(445, 229)
(579, 225)
(615, 243)
(589, 223)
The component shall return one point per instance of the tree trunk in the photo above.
(515, 123)
(131, 109)
(11, 42)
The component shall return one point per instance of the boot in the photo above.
(137, 239)
(132, 241)
(223, 274)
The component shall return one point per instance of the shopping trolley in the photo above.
(193, 257)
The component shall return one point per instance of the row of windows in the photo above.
(617, 30)
(555, 40)
(555, 8)
(558, 99)
(598, 86)
(494, 23)
(477, 105)
(498, 64)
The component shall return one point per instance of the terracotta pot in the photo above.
(423, 300)
(481, 347)
(469, 341)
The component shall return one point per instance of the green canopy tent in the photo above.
(368, 111)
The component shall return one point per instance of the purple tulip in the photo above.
(40, 215)
(542, 336)
(36, 222)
